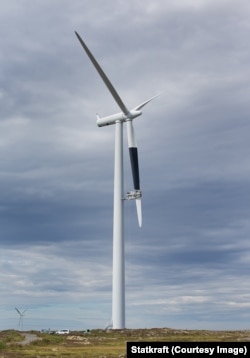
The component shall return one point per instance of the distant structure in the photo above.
(108, 326)
(21, 315)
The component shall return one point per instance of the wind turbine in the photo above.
(118, 292)
(21, 314)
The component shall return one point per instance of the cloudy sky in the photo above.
(188, 266)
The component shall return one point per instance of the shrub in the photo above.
(2, 345)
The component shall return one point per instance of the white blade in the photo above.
(131, 134)
(139, 212)
(144, 103)
(107, 82)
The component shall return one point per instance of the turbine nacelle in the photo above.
(106, 121)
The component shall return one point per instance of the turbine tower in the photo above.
(21, 315)
(118, 291)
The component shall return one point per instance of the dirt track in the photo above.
(28, 338)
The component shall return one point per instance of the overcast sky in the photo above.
(188, 266)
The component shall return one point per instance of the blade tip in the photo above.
(139, 212)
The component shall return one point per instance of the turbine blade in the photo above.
(133, 152)
(18, 311)
(107, 82)
(139, 212)
(144, 103)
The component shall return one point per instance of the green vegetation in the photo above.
(2, 345)
(10, 336)
(100, 343)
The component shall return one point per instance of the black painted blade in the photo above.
(133, 152)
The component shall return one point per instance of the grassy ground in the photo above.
(103, 344)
